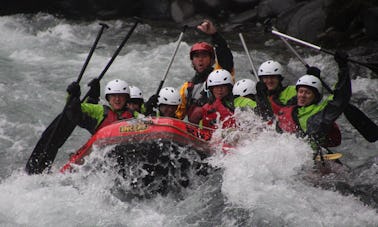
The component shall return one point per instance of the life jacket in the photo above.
(244, 103)
(288, 122)
(275, 104)
(281, 97)
(192, 92)
(110, 116)
(217, 112)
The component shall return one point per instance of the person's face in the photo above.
(305, 96)
(272, 81)
(168, 110)
(201, 60)
(133, 106)
(117, 101)
(220, 91)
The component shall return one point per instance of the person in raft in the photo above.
(136, 102)
(248, 95)
(96, 116)
(204, 60)
(167, 102)
(219, 109)
(315, 116)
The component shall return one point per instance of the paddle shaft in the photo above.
(171, 61)
(249, 56)
(372, 67)
(301, 59)
(115, 54)
(364, 125)
(103, 27)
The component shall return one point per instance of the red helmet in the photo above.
(202, 46)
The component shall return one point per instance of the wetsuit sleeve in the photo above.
(319, 124)
(92, 116)
(224, 55)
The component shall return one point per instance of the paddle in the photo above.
(249, 56)
(262, 101)
(60, 129)
(333, 156)
(364, 125)
(372, 66)
(37, 161)
(171, 61)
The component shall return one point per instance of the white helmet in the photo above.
(270, 68)
(244, 87)
(117, 87)
(219, 77)
(311, 81)
(135, 93)
(169, 96)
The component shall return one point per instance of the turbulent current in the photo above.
(266, 180)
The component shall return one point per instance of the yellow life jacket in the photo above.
(181, 110)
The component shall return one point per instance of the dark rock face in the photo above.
(328, 21)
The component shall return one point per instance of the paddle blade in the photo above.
(333, 156)
(373, 67)
(46, 149)
(366, 127)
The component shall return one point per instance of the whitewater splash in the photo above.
(264, 175)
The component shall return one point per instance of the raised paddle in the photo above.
(372, 66)
(262, 101)
(50, 138)
(60, 129)
(152, 101)
(249, 56)
(171, 61)
(364, 125)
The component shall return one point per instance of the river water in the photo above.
(263, 183)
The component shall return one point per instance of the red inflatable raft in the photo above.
(136, 133)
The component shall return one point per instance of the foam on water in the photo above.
(263, 177)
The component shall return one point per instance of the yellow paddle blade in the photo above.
(329, 156)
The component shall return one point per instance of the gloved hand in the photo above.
(261, 88)
(151, 103)
(94, 91)
(74, 89)
(341, 57)
(312, 70)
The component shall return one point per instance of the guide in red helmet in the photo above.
(205, 57)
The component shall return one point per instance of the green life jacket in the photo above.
(288, 93)
(305, 112)
(244, 102)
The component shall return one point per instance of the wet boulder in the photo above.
(307, 21)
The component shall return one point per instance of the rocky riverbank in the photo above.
(329, 21)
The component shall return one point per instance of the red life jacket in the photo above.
(217, 111)
(286, 120)
(288, 123)
(111, 116)
(275, 104)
